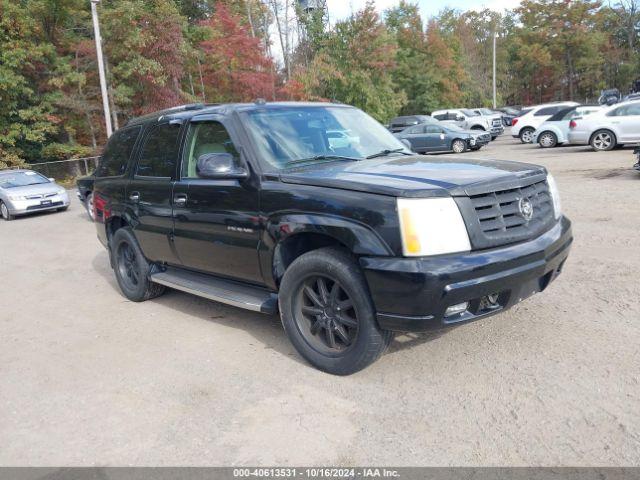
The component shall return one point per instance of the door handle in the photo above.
(134, 196)
(180, 200)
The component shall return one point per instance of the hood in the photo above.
(40, 189)
(417, 176)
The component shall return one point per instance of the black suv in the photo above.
(349, 237)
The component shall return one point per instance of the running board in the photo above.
(224, 291)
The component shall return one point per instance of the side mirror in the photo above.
(220, 166)
(459, 118)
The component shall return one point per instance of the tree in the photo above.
(27, 117)
(145, 48)
(235, 67)
(354, 66)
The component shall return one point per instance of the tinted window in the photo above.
(433, 129)
(440, 116)
(159, 152)
(546, 111)
(562, 114)
(210, 137)
(116, 154)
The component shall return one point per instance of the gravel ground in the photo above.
(89, 378)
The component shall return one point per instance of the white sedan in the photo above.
(610, 127)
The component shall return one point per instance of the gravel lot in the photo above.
(89, 378)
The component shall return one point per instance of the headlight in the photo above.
(16, 197)
(431, 226)
(555, 195)
(61, 191)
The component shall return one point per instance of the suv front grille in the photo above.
(499, 217)
(497, 122)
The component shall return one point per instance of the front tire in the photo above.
(328, 314)
(132, 268)
(526, 135)
(4, 211)
(458, 146)
(547, 140)
(603, 141)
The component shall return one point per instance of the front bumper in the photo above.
(23, 207)
(413, 294)
(496, 131)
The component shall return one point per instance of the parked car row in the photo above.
(604, 127)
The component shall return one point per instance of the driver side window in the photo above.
(203, 138)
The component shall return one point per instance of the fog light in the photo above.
(455, 309)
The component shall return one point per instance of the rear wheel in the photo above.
(88, 203)
(132, 268)
(458, 146)
(327, 312)
(603, 140)
(526, 135)
(548, 140)
(4, 211)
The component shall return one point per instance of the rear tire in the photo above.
(603, 141)
(526, 135)
(88, 204)
(458, 146)
(4, 212)
(547, 140)
(328, 314)
(132, 268)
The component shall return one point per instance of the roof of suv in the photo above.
(189, 110)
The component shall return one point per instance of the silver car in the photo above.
(612, 126)
(25, 191)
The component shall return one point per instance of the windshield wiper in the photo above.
(387, 152)
(320, 158)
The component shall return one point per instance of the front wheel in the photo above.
(548, 140)
(4, 211)
(132, 268)
(603, 141)
(328, 314)
(526, 135)
(458, 146)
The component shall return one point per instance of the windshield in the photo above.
(291, 135)
(21, 179)
(486, 111)
(469, 113)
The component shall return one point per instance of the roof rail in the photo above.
(169, 111)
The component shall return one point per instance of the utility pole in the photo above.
(103, 78)
(495, 35)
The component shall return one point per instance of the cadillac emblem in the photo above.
(526, 209)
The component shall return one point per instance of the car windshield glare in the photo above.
(469, 113)
(288, 135)
(21, 179)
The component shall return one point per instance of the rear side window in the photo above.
(633, 109)
(117, 153)
(159, 152)
(440, 116)
(546, 111)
